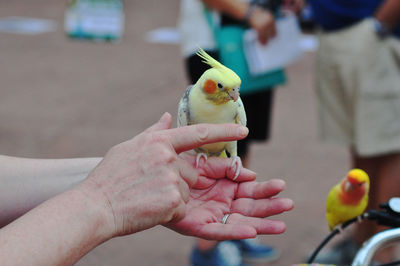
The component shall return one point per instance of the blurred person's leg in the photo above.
(384, 172)
(258, 107)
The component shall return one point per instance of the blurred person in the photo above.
(197, 32)
(358, 86)
(143, 182)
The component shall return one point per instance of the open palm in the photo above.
(248, 202)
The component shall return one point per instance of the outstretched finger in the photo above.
(221, 232)
(260, 190)
(261, 208)
(261, 225)
(240, 227)
(190, 137)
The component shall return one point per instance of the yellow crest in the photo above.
(218, 71)
(209, 60)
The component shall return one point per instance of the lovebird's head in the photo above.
(356, 180)
(219, 83)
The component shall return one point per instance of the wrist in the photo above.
(261, 19)
(381, 29)
(249, 12)
(99, 210)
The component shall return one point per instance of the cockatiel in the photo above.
(214, 98)
(348, 199)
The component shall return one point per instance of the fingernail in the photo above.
(252, 172)
(289, 203)
(243, 131)
(163, 117)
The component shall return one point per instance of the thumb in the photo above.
(164, 123)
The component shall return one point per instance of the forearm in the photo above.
(235, 8)
(25, 183)
(58, 232)
(259, 19)
(389, 13)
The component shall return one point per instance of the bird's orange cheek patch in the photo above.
(210, 86)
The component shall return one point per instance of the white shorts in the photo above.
(358, 86)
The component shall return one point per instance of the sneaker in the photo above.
(226, 253)
(254, 252)
(342, 253)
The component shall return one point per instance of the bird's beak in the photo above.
(233, 95)
(351, 185)
(348, 186)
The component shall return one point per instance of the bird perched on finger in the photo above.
(214, 98)
(348, 199)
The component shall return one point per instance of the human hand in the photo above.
(388, 15)
(249, 203)
(293, 6)
(143, 182)
(263, 22)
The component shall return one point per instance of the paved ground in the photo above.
(61, 98)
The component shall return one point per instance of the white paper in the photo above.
(279, 52)
(24, 25)
(164, 35)
(309, 43)
(100, 25)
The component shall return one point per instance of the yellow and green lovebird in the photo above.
(214, 99)
(348, 199)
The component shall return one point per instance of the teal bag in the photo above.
(231, 51)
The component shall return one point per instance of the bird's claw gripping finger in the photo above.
(199, 156)
(236, 162)
(340, 228)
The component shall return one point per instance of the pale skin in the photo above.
(141, 183)
(25, 183)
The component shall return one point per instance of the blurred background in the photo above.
(61, 97)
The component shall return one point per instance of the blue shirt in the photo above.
(338, 14)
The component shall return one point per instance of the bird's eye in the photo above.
(220, 86)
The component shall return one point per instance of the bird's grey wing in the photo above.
(241, 113)
(184, 109)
